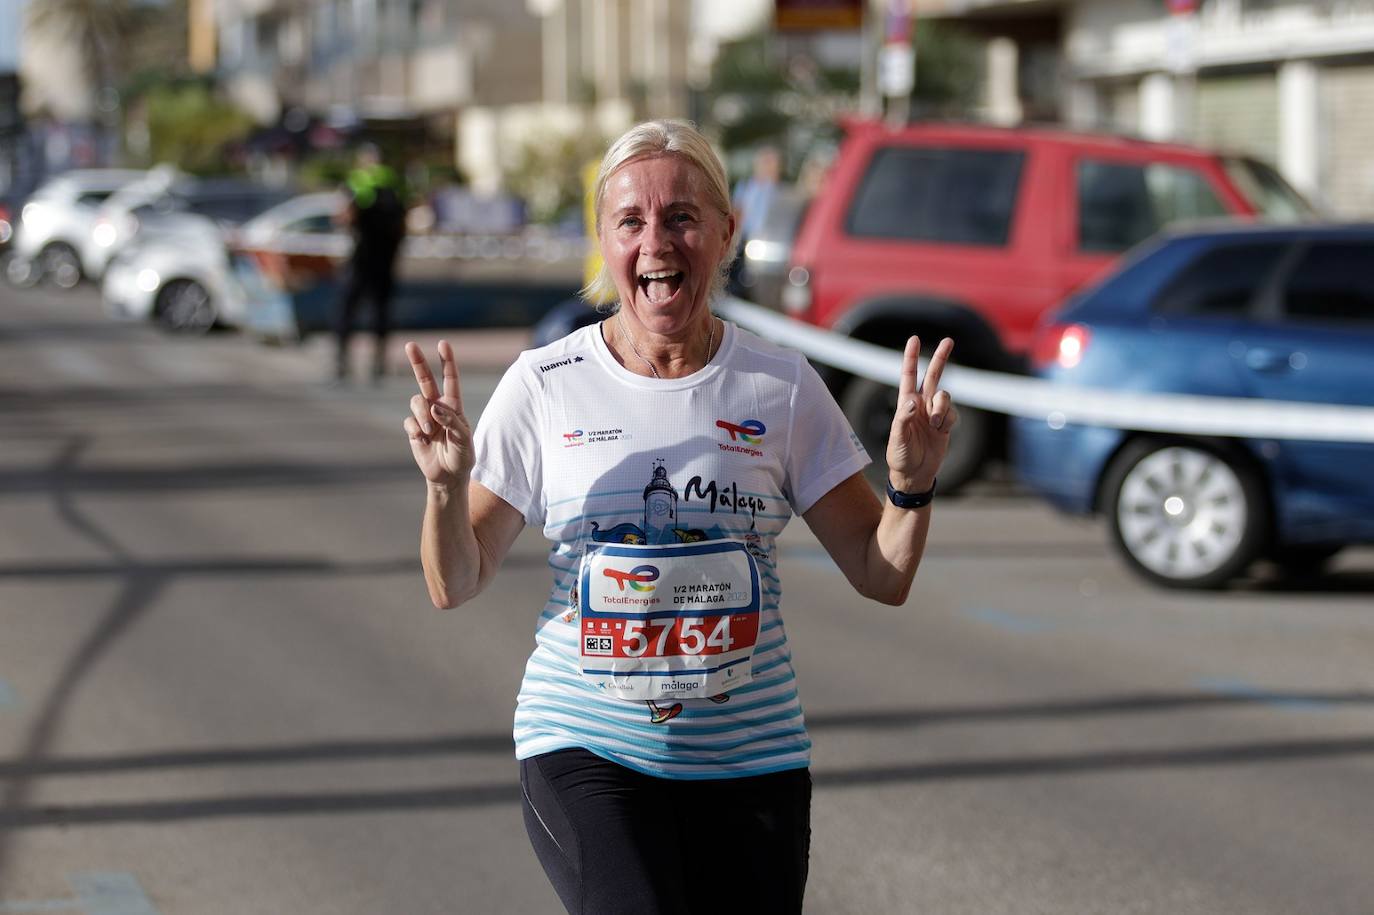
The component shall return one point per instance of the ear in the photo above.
(729, 229)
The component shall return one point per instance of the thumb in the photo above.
(444, 415)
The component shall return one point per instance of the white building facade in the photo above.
(491, 74)
(1289, 81)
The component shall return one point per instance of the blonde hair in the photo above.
(659, 138)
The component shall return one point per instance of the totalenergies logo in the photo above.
(751, 430)
(572, 438)
(638, 578)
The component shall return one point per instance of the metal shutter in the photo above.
(1239, 114)
(1347, 117)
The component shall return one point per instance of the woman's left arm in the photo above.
(878, 546)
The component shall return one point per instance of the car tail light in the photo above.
(796, 292)
(1060, 344)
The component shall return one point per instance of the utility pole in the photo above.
(897, 61)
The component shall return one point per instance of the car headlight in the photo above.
(147, 280)
(103, 234)
(36, 218)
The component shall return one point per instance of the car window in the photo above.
(93, 198)
(1222, 282)
(1332, 282)
(320, 223)
(958, 196)
(1266, 189)
(1121, 204)
(234, 209)
(167, 203)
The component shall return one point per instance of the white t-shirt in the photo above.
(595, 454)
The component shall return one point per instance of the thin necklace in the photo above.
(710, 341)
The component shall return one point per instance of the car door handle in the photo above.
(1261, 359)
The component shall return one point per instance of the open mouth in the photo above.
(660, 285)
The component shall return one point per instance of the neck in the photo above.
(658, 356)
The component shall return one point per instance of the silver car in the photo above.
(194, 278)
(56, 221)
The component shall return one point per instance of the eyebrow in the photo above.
(672, 204)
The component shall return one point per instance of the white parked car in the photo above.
(56, 221)
(161, 202)
(193, 278)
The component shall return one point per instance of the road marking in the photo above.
(97, 893)
(42, 905)
(71, 363)
(1242, 690)
(8, 697)
(1012, 622)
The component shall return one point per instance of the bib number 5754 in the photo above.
(684, 635)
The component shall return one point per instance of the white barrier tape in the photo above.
(427, 247)
(1060, 405)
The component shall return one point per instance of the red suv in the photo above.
(973, 232)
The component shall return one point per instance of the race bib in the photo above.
(663, 622)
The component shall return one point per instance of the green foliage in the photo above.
(99, 29)
(189, 126)
(324, 171)
(547, 174)
(948, 70)
(743, 98)
(761, 93)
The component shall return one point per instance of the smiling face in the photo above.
(663, 242)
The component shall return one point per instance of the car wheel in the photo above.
(60, 265)
(1183, 515)
(21, 272)
(870, 405)
(185, 307)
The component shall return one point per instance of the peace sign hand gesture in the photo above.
(440, 435)
(919, 439)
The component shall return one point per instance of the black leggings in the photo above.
(613, 840)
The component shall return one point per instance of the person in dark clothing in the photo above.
(376, 214)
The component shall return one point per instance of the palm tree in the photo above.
(98, 29)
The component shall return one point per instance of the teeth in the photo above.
(658, 275)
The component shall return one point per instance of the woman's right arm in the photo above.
(467, 529)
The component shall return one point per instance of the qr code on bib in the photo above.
(598, 644)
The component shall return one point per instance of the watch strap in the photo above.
(911, 499)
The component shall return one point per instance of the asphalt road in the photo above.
(223, 690)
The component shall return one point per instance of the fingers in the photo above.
(453, 395)
(943, 416)
(423, 376)
(413, 431)
(419, 411)
(447, 417)
(935, 369)
(906, 389)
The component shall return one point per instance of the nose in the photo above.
(654, 239)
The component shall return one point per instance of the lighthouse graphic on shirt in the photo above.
(658, 525)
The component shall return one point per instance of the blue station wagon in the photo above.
(1275, 313)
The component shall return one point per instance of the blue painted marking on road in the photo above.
(1012, 622)
(1242, 690)
(97, 893)
(8, 698)
(40, 905)
(111, 893)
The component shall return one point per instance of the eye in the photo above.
(631, 222)
(682, 218)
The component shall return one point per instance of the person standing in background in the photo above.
(750, 201)
(376, 214)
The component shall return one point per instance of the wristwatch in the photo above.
(910, 499)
